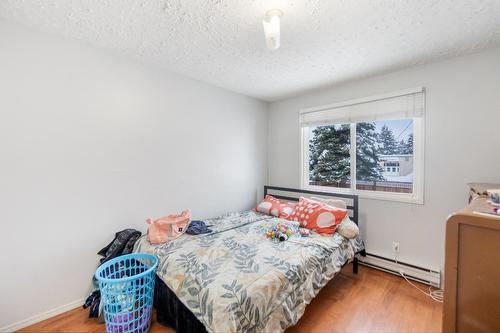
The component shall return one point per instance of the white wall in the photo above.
(90, 144)
(462, 137)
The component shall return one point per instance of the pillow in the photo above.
(318, 216)
(348, 228)
(332, 202)
(275, 207)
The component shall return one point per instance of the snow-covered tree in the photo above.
(367, 161)
(408, 148)
(388, 144)
(329, 161)
(401, 147)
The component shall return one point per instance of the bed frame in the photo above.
(173, 313)
(293, 194)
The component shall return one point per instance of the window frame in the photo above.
(417, 197)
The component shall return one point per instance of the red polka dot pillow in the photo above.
(318, 216)
(275, 207)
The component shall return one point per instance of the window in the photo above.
(372, 147)
(329, 155)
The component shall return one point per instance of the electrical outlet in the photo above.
(395, 247)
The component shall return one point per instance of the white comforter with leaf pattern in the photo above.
(237, 280)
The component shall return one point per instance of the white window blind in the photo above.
(398, 105)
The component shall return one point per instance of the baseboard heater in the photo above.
(426, 276)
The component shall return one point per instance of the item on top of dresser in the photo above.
(168, 227)
(489, 212)
(481, 189)
(494, 196)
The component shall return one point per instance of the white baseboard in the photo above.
(427, 276)
(42, 316)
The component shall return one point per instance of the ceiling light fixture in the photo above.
(271, 25)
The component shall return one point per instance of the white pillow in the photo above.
(346, 228)
(337, 203)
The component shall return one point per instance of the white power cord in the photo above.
(436, 294)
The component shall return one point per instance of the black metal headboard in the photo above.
(293, 194)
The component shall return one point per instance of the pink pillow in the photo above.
(276, 207)
(168, 227)
(318, 216)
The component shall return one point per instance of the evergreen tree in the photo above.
(367, 162)
(401, 147)
(408, 148)
(388, 144)
(314, 152)
(329, 155)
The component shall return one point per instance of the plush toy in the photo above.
(282, 236)
(304, 232)
(283, 231)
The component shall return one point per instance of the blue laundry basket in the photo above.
(127, 287)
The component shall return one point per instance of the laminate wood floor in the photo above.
(371, 301)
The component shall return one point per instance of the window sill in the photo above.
(371, 195)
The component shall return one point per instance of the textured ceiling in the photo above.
(221, 41)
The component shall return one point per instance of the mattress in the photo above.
(236, 279)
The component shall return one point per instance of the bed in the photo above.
(236, 280)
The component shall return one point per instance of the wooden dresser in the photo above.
(472, 271)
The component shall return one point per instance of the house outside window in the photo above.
(372, 147)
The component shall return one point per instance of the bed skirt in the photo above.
(171, 312)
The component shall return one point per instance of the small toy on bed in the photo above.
(283, 231)
(304, 232)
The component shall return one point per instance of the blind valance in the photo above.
(398, 105)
